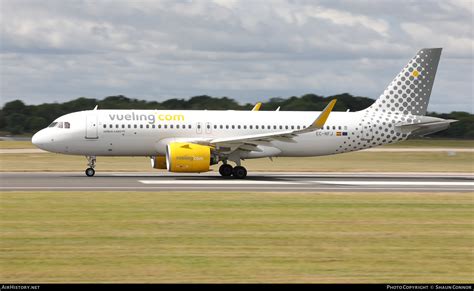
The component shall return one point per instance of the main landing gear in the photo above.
(227, 170)
(91, 163)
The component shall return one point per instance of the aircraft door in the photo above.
(92, 127)
(199, 127)
(208, 128)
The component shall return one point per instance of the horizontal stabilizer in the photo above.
(427, 125)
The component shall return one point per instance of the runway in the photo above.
(256, 181)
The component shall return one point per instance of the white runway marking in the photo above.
(216, 182)
(227, 188)
(332, 182)
(396, 183)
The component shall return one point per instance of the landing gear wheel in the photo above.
(239, 172)
(90, 172)
(225, 170)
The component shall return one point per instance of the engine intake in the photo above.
(189, 157)
(158, 162)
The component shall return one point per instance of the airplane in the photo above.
(190, 141)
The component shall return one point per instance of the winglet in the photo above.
(257, 106)
(321, 120)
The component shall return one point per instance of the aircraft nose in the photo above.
(39, 139)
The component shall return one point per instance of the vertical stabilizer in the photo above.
(410, 91)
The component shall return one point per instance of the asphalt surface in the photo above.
(256, 181)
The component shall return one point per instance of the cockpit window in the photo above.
(60, 124)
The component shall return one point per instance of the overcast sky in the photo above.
(247, 50)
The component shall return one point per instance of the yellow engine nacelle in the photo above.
(189, 157)
(158, 162)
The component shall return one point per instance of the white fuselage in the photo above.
(147, 132)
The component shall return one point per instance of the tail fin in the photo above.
(410, 91)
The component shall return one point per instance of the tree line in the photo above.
(18, 118)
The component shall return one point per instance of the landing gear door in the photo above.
(92, 127)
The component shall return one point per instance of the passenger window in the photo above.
(274, 127)
(67, 125)
(339, 127)
(152, 126)
(221, 126)
(116, 126)
(292, 127)
(238, 126)
(245, 126)
(215, 126)
(105, 125)
(286, 126)
(327, 127)
(227, 126)
(123, 125)
(159, 125)
(177, 126)
(269, 127)
(171, 126)
(141, 125)
(251, 127)
(147, 126)
(256, 126)
(189, 126)
(208, 126)
(333, 127)
(129, 126)
(298, 127)
(233, 126)
(281, 126)
(110, 126)
(165, 126)
(134, 126)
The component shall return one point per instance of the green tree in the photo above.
(16, 123)
(35, 123)
(16, 106)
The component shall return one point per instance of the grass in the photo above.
(349, 162)
(16, 144)
(236, 237)
(452, 143)
(428, 142)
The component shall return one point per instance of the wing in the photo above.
(257, 106)
(251, 142)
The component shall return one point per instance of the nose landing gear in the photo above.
(91, 163)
